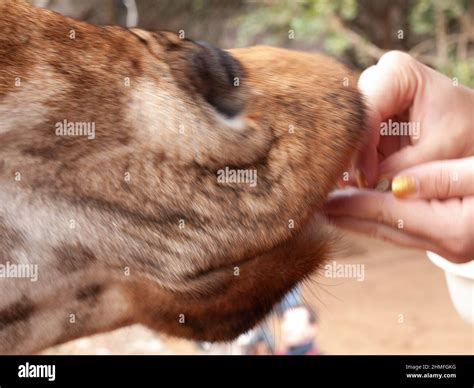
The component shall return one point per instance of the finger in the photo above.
(416, 217)
(387, 233)
(440, 179)
(380, 231)
(368, 161)
(408, 156)
(390, 87)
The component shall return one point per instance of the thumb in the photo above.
(436, 180)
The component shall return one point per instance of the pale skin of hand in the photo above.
(438, 213)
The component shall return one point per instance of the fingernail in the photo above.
(404, 186)
(361, 180)
(383, 183)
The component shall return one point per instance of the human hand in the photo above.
(439, 115)
(437, 212)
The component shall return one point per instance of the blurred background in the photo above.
(401, 306)
(439, 33)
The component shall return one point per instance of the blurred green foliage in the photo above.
(437, 32)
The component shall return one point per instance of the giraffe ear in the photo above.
(217, 76)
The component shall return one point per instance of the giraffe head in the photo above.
(159, 180)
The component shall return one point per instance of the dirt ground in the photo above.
(401, 307)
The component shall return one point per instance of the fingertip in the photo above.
(390, 86)
(367, 80)
(395, 58)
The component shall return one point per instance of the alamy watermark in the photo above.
(395, 128)
(336, 270)
(33, 371)
(75, 128)
(239, 176)
(15, 271)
